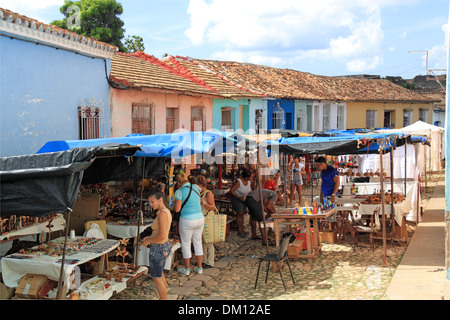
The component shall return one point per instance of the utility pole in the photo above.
(447, 181)
(431, 71)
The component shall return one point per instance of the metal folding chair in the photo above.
(281, 255)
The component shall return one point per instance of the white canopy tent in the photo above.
(411, 162)
(430, 156)
(406, 162)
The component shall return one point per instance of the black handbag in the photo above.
(176, 215)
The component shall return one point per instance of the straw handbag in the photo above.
(215, 227)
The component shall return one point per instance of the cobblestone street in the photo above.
(340, 272)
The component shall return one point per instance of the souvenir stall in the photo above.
(431, 155)
(335, 145)
(146, 159)
(171, 149)
(40, 185)
(405, 177)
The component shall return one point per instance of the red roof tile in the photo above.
(292, 84)
(140, 71)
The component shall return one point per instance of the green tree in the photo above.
(133, 44)
(98, 19)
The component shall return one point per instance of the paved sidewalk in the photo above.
(421, 274)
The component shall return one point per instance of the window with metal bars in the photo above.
(326, 124)
(371, 119)
(143, 118)
(198, 121)
(278, 121)
(259, 124)
(90, 120)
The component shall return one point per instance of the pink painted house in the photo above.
(150, 97)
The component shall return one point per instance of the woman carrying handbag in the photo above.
(191, 223)
(208, 207)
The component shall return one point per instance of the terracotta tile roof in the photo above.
(214, 80)
(24, 21)
(140, 70)
(376, 90)
(292, 84)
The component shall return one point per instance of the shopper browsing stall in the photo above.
(272, 182)
(191, 222)
(208, 207)
(253, 202)
(158, 242)
(297, 169)
(239, 191)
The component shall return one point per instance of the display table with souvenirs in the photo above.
(127, 228)
(45, 259)
(114, 280)
(304, 215)
(18, 226)
(396, 208)
(396, 201)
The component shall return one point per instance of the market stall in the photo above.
(97, 161)
(431, 155)
(174, 148)
(43, 184)
(348, 143)
(46, 259)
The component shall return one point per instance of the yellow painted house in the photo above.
(376, 103)
(387, 114)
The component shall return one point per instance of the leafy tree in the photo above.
(94, 18)
(409, 85)
(133, 44)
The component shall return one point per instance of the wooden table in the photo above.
(16, 265)
(224, 206)
(313, 249)
(115, 287)
(348, 203)
(346, 223)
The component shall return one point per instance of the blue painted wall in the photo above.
(218, 104)
(289, 112)
(40, 91)
(447, 168)
(447, 144)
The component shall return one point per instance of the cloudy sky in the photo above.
(326, 37)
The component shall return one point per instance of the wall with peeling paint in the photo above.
(41, 89)
(121, 110)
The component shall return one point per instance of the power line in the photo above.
(431, 71)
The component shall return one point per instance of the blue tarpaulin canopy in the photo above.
(337, 143)
(173, 145)
(48, 181)
(39, 184)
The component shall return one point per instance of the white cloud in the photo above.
(18, 5)
(346, 31)
(437, 56)
(31, 8)
(361, 65)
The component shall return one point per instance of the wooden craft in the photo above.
(389, 198)
(121, 250)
